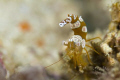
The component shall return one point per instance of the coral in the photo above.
(112, 74)
(109, 48)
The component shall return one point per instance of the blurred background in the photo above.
(31, 39)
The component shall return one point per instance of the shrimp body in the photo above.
(76, 43)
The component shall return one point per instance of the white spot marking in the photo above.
(84, 29)
(66, 42)
(63, 42)
(70, 14)
(63, 23)
(69, 19)
(74, 17)
(75, 25)
(69, 40)
(83, 43)
(80, 18)
(77, 39)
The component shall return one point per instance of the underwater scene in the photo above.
(59, 39)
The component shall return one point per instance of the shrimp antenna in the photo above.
(54, 63)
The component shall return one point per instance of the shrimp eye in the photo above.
(118, 26)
